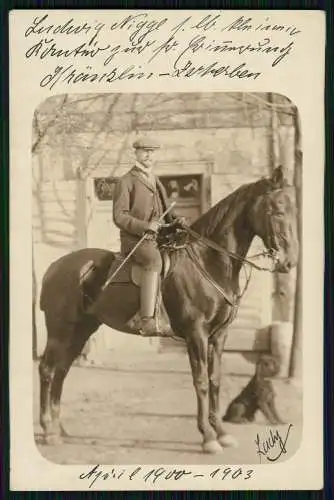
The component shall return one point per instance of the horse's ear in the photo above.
(277, 178)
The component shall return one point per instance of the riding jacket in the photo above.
(137, 201)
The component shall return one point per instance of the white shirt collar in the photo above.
(144, 170)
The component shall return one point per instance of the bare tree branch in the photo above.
(41, 133)
(85, 168)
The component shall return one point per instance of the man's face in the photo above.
(145, 157)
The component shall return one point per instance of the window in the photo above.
(104, 188)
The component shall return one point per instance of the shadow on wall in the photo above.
(56, 232)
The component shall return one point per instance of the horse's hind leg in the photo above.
(65, 342)
(46, 374)
(54, 355)
(69, 352)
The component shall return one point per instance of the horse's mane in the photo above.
(225, 211)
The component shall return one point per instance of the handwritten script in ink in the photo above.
(152, 45)
(157, 475)
(272, 446)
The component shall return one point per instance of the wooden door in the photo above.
(188, 193)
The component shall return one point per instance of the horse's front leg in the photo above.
(198, 356)
(215, 352)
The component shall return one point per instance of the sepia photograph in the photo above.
(166, 271)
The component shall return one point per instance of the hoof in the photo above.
(228, 441)
(53, 439)
(212, 447)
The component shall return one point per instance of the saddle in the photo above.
(96, 277)
(131, 272)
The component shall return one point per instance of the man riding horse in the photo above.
(139, 201)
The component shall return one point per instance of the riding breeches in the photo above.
(148, 256)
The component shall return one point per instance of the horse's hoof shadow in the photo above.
(63, 432)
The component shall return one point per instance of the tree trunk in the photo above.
(282, 282)
(281, 328)
(295, 373)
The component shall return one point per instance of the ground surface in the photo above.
(142, 410)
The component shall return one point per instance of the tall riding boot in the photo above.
(151, 324)
(149, 286)
(147, 324)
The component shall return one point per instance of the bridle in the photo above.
(271, 253)
(246, 263)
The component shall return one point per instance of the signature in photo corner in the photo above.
(273, 445)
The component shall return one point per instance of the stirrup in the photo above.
(149, 327)
(160, 330)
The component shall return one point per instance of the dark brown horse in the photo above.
(200, 294)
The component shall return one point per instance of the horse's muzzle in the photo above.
(285, 261)
(283, 267)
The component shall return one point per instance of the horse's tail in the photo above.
(44, 286)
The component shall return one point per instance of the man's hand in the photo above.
(154, 226)
(182, 221)
(179, 221)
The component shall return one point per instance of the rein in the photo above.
(207, 276)
(209, 243)
(234, 301)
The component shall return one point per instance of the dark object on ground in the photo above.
(258, 395)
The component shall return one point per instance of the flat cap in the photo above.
(145, 143)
